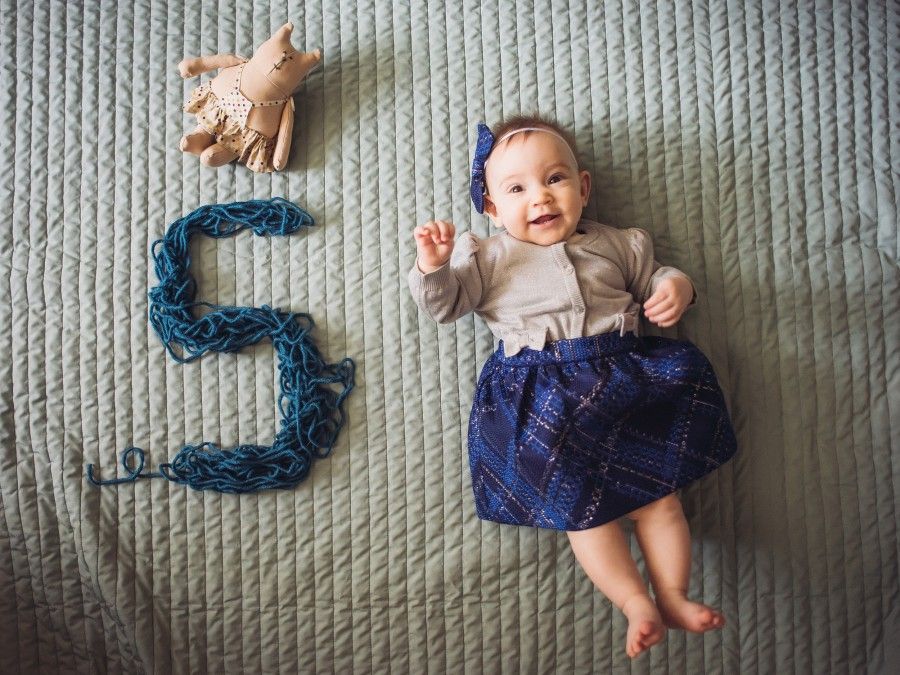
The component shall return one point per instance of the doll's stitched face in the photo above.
(535, 189)
(285, 56)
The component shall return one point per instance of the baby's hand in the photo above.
(668, 303)
(434, 243)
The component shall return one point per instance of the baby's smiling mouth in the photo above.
(543, 220)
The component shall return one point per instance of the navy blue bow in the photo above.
(482, 150)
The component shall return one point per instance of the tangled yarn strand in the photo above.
(312, 391)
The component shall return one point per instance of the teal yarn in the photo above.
(312, 392)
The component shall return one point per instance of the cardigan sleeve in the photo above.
(645, 273)
(453, 290)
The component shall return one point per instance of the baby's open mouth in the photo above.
(543, 220)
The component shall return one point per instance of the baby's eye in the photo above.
(556, 178)
(515, 188)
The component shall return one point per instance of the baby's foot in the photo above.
(645, 627)
(679, 612)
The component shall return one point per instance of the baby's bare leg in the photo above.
(665, 539)
(604, 554)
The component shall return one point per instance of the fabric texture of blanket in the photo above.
(757, 143)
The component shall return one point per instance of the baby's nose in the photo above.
(542, 195)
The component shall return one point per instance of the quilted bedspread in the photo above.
(758, 143)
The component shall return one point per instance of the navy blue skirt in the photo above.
(587, 430)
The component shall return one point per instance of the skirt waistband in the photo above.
(577, 349)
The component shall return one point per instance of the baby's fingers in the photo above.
(435, 232)
(666, 318)
(424, 236)
(661, 308)
(445, 231)
(658, 298)
(657, 304)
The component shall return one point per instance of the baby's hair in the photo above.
(526, 121)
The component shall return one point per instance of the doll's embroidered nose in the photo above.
(277, 64)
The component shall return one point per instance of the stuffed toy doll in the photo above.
(246, 112)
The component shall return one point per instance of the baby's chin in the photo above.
(542, 234)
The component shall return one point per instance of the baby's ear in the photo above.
(491, 210)
(585, 179)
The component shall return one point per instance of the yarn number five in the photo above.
(312, 391)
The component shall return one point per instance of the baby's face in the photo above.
(535, 189)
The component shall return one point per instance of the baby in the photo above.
(577, 421)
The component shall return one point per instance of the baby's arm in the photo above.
(671, 290)
(434, 244)
(445, 290)
(672, 296)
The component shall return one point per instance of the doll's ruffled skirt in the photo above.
(585, 431)
(251, 147)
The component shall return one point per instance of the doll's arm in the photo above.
(201, 64)
(285, 132)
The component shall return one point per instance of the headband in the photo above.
(483, 148)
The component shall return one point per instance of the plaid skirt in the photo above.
(587, 430)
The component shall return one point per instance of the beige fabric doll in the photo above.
(246, 112)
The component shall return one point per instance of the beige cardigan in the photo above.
(593, 283)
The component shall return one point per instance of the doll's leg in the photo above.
(665, 539)
(216, 155)
(197, 141)
(604, 554)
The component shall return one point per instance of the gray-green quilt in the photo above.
(758, 142)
